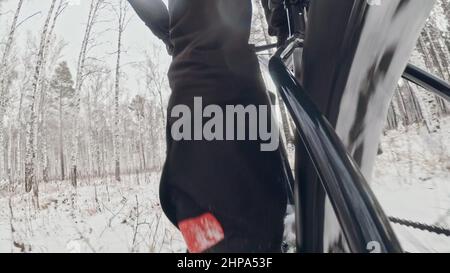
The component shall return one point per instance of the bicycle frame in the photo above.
(317, 111)
(358, 211)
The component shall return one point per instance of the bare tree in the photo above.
(95, 7)
(3, 85)
(30, 175)
(155, 80)
(123, 19)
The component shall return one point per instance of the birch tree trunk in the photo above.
(30, 157)
(121, 28)
(93, 12)
(3, 86)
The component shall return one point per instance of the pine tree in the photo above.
(63, 92)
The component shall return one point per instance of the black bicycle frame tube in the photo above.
(426, 80)
(359, 213)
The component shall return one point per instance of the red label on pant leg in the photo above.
(202, 232)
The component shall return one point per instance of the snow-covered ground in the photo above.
(412, 181)
(103, 217)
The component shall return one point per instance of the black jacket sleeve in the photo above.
(155, 15)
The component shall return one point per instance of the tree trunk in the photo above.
(121, 29)
(61, 140)
(94, 8)
(30, 179)
(3, 87)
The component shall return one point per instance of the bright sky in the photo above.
(70, 28)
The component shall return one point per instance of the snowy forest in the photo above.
(82, 129)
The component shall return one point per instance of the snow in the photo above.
(438, 16)
(86, 225)
(289, 229)
(411, 181)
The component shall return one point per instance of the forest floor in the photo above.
(411, 180)
(105, 217)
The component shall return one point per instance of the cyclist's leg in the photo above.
(230, 187)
